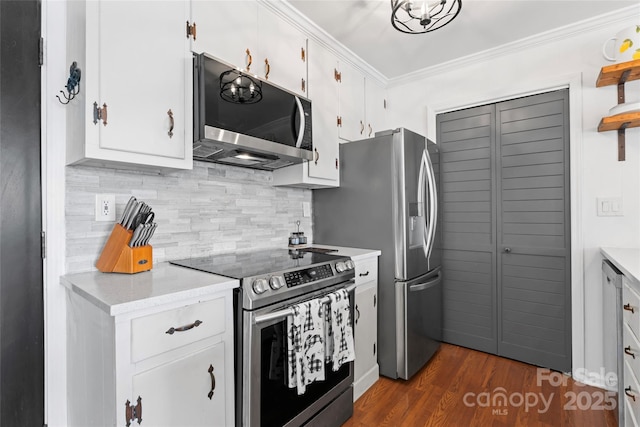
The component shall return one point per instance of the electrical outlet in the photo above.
(306, 209)
(105, 207)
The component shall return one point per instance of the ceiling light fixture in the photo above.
(240, 88)
(417, 17)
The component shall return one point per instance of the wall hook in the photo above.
(73, 84)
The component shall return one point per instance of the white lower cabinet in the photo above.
(185, 392)
(366, 369)
(170, 365)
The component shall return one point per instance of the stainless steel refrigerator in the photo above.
(388, 200)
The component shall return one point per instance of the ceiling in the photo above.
(364, 26)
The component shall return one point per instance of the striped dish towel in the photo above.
(339, 347)
(305, 345)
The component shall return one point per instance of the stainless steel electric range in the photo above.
(271, 281)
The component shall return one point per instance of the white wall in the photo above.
(568, 57)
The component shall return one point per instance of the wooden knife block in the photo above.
(118, 257)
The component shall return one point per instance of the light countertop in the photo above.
(354, 253)
(627, 260)
(117, 293)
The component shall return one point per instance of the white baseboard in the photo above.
(366, 381)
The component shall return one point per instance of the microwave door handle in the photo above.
(302, 122)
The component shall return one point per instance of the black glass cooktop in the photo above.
(248, 264)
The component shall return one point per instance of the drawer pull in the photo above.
(628, 351)
(213, 382)
(628, 308)
(357, 314)
(184, 328)
(631, 395)
(364, 274)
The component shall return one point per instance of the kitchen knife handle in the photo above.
(195, 324)
(171, 123)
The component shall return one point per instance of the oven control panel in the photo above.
(300, 277)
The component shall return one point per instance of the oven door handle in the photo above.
(351, 284)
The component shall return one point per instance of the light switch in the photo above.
(306, 209)
(609, 206)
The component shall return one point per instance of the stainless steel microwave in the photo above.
(242, 120)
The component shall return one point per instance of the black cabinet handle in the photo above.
(631, 395)
(213, 382)
(628, 307)
(364, 274)
(184, 328)
(628, 351)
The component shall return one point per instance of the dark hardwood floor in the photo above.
(463, 387)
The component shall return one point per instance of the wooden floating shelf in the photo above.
(619, 74)
(616, 122)
(610, 75)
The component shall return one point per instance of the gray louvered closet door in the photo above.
(505, 209)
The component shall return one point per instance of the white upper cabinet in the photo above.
(134, 105)
(249, 36)
(282, 51)
(324, 170)
(375, 107)
(351, 117)
(362, 104)
(226, 30)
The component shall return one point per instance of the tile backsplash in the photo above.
(210, 209)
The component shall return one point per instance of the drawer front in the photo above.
(160, 332)
(631, 391)
(631, 309)
(366, 271)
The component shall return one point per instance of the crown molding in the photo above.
(586, 25)
(285, 10)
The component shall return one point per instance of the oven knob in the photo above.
(350, 265)
(340, 266)
(260, 286)
(276, 282)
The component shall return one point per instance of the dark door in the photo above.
(533, 253)
(506, 216)
(21, 295)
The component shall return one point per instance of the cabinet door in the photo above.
(366, 329)
(323, 92)
(226, 29)
(142, 76)
(284, 47)
(351, 103)
(186, 392)
(375, 108)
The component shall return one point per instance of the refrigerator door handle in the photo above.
(426, 285)
(427, 178)
(422, 183)
(433, 203)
